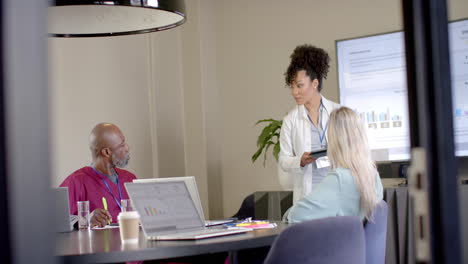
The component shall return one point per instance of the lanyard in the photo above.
(322, 137)
(107, 185)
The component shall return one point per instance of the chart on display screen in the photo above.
(372, 81)
(458, 37)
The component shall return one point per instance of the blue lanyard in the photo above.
(322, 137)
(107, 185)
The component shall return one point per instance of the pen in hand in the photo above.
(104, 203)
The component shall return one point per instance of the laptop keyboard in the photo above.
(200, 234)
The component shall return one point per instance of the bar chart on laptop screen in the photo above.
(372, 78)
(165, 206)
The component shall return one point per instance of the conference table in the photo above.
(104, 246)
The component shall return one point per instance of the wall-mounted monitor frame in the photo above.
(372, 80)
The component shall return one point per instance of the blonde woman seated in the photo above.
(353, 186)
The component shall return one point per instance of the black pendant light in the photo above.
(87, 18)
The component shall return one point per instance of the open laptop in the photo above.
(193, 190)
(63, 220)
(168, 212)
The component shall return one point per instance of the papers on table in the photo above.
(251, 224)
(105, 227)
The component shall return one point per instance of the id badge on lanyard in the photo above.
(322, 162)
(321, 158)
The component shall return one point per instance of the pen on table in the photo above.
(104, 203)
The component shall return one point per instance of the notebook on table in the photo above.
(193, 190)
(168, 212)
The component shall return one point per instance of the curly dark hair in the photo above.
(315, 61)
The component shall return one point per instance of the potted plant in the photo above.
(268, 137)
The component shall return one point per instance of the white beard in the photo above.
(120, 163)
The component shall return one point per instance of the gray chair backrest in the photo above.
(376, 234)
(327, 240)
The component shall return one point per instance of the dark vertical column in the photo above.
(26, 128)
(5, 241)
(431, 124)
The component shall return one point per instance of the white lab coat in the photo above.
(295, 139)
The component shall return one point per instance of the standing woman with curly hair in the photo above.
(304, 128)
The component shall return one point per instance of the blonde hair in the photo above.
(348, 148)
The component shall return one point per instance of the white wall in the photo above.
(167, 87)
(187, 99)
(98, 80)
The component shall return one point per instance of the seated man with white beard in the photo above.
(103, 178)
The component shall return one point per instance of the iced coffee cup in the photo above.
(129, 229)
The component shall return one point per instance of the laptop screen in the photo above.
(191, 186)
(62, 210)
(164, 207)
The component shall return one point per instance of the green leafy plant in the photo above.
(268, 137)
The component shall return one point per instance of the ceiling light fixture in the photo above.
(87, 18)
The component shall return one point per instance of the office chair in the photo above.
(322, 241)
(247, 208)
(375, 231)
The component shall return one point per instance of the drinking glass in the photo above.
(83, 214)
(126, 205)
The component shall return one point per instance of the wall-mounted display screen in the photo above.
(458, 37)
(372, 81)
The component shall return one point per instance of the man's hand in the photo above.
(100, 218)
(307, 159)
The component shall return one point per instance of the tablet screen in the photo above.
(319, 153)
